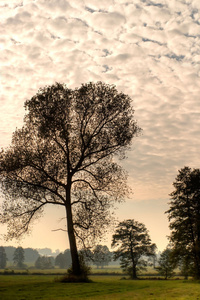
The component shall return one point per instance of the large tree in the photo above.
(184, 217)
(64, 155)
(134, 243)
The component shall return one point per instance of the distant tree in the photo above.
(87, 255)
(18, 257)
(184, 217)
(10, 252)
(3, 258)
(60, 261)
(30, 255)
(63, 260)
(63, 156)
(44, 262)
(133, 242)
(166, 264)
(101, 256)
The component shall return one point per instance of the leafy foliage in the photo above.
(184, 217)
(84, 271)
(133, 242)
(64, 155)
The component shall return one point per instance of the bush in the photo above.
(83, 277)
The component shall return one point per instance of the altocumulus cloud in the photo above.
(148, 49)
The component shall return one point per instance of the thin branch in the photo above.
(39, 186)
(59, 229)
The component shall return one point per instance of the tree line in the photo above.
(67, 154)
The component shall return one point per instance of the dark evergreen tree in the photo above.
(3, 258)
(133, 242)
(184, 217)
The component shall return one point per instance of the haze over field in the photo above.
(149, 49)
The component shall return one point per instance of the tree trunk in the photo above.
(134, 274)
(197, 264)
(76, 269)
(195, 252)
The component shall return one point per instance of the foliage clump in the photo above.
(82, 277)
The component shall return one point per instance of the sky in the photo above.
(149, 49)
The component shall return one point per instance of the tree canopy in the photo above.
(64, 155)
(133, 242)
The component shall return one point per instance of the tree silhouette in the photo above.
(133, 242)
(64, 155)
(184, 217)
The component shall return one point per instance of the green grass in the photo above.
(34, 287)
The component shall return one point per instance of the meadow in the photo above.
(31, 287)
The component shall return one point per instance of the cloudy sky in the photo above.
(150, 49)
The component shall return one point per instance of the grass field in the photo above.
(31, 287)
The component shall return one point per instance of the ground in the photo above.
(48, 287)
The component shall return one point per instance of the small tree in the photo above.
(166, 264)
(101, 256)
(44, 262)
(63, 260)
(3, 258)
(64, 156)
(133, 242)
(18, 257)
